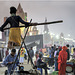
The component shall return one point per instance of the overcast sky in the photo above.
(37, 10)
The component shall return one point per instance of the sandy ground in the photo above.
(27, 67)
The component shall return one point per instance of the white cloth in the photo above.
(55, 53)
(21, 59)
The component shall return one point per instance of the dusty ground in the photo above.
(27, 67)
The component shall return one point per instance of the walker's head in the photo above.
(13, 10)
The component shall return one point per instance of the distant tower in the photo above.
(61, 35)
(46, 30)
(46, 36)
(20, 12)
(23, 15)
(61, 41)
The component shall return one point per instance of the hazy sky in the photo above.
(37, 10)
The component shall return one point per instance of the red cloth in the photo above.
(62, 58)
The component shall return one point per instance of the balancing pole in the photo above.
(60, 21)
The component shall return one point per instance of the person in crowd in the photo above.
(57, 54)
(0, 56)
(50, 56)
(68, 52)
(56, 65)
(72, 49)
(25, 54)
(73, 53)
(54, 48)
(40, 51)
(59, 49)
(22, 52)
(31, 53)
(13, 20)
(36, 56)
(41, 64)
(7, 51)
(62, 58)
(10, 60)
(52, 51)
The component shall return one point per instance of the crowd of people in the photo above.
(58, 56)
(10, 58)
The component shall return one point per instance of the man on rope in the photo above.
(15, 33)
